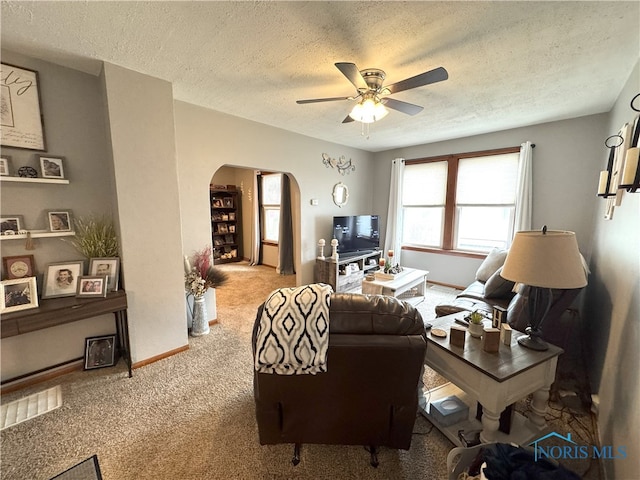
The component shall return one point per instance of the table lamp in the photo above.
(543, 260)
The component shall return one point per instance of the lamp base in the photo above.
(534, 343)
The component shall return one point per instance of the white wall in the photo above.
(566, 162)
(207, 139)
(140, 122)
(613, 311)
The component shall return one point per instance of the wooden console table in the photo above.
(58, 311)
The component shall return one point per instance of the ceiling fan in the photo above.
(373, 94)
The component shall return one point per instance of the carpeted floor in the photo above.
(191, 416)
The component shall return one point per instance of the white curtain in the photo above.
(255, 221)
(524, 189)
(393, 236)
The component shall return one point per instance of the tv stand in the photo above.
(347, 274)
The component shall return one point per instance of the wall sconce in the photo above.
(605, 188)
(631, 173)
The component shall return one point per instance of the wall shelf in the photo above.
(59, 181)
(37, 234)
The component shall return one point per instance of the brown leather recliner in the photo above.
(368, 395)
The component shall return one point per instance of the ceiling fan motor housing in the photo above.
(373, 77)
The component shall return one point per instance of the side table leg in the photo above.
(539, 406)
(490, 424)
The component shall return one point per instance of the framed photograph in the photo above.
(232, 216)
(217, 241)
(217, 202)
(60, 221)
(92, 286)
(61, 279)
(228, 239)
(227, 202)
(11, 224)
(18, 294)
(99, 352)
(223, 228)
(19, 266)
(110, 267)
(216, 217)
(21, 118)
(5, 166)
(232, 229)
(51, 167)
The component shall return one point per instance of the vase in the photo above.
(476, 329)
(200, 323)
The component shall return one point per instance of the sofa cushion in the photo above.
(497, 286)
(491, 264)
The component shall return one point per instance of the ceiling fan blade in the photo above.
(404, 107)
(317, 100)
(432, 76)
(352, 73)
(348, 119)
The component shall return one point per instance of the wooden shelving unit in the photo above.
(225, 224)
(341, 276)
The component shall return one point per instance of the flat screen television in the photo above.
(356, 233)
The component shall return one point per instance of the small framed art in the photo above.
(51, 167)
(228, 202)
(11, 224)
(99, 352)
(110, 267)
(19, 266)
(61, 279)
(92, 286)
(59, 220)
(5, 166)
(18, 294)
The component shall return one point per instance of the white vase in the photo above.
(476, 329)
(200, 323)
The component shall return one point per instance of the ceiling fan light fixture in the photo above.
(369, 110)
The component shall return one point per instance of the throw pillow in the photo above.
(491, 264)
(497, 286)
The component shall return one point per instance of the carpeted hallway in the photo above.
(191, 416)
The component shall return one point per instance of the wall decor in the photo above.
(92, 286)
(60, 220)
(109, 266)
(18, 294)
(27, 172)
(342, 164)
(18, 266)
(340, 194)
(5, 166)
(21, 117)
(11, 224)
(61, 279)
(99, 352)
(51, 167)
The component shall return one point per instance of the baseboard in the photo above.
(42, 376)
(457, 287)
(150, 360)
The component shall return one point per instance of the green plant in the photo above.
(95, 237)
(476, 317)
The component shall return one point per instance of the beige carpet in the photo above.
(191, 416)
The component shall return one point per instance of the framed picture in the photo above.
(110, 267)
(228, 238)
(99, 352)
(217, 202)
(232, 216)
(21, 117)
(217, 241)
(223, 228)
(11, 224)
(5, 166)
(216, 217)
(227, 202)
(60, 221)
(232, 229)
(51, 167)
(19, 266)
(18, 294)
(92, 286)
(61, 279)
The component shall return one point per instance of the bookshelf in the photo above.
(225, 224)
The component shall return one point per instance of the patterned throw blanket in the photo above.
(293, 334)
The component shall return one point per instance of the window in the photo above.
(460, 202)
(270, 204)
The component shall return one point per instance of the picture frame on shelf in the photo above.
(227, 202)
(60, 221)
(18, 266)
(216, 217)
(232, 216)
(11, 224)
(232, 229)
(109, 266)
(5, 166)
(100, 351)
(61, 279)
(217, 202)
(228, 238)
(18, 294)
(223, 228)
(52, 167)
(92, 286)
(22, 120)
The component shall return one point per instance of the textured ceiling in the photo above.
(510, 64)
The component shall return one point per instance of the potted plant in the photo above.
(476, 325)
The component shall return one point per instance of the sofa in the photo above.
(489, 289)
(368, 393)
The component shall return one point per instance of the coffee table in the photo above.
(400, 286)
(495, 380)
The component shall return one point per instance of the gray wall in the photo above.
(566, 162)
(613, 311)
